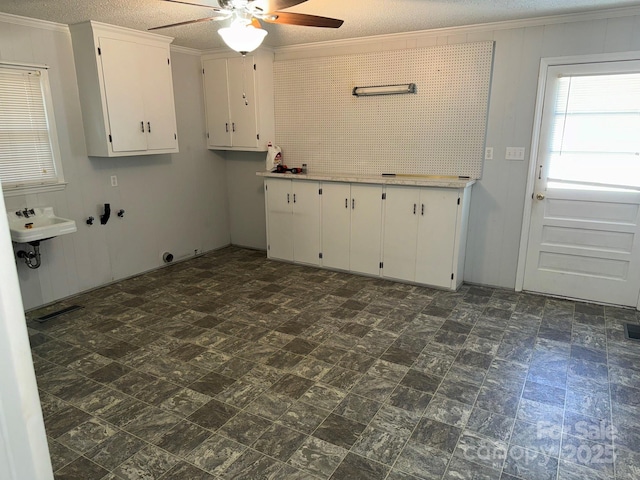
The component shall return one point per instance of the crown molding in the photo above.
(292, 51)
(33, 22)
(185, 50)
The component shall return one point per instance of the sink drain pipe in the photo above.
(29, 257)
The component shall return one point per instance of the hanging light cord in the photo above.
(244, 83)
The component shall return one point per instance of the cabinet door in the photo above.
(366, 223)
(217, 103)
(400, 232)
(336, 220)
(436, 236)
(242, 102)
(306, 222)
(279, 219)
(123, 87)
(157, 90)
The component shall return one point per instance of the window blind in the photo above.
(26, 153)
(595, 137)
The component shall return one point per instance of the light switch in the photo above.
(114, 181)
(514, 153)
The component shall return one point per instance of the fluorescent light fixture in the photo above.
(384, 90)
(242, 36)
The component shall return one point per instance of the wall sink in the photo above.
(35, 224)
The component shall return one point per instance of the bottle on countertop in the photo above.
(274, 157)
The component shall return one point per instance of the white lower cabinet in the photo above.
(293, 220)
(400, 232)
(414, 234)
(366, 231)
(438, 240)
(351, 227)
(336, 225)
(422, 230)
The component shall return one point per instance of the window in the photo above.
(29, 153)
(595, 142)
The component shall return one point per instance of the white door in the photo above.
(306, 222)
(24, 453)
(583, 234)
(123, 87)
(438, 210)
(366, 226)
(401, 213)
(279, 219)
(242, 102)
(336, 219)
(157, 88)
(217, 103)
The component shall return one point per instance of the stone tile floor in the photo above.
(230, 366)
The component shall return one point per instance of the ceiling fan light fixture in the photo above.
(242, 36)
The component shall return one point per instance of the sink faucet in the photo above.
(25, 213)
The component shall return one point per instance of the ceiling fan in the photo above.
(246, 28)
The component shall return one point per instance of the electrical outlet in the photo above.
(514, 153)
(114, 181)
(488, 153)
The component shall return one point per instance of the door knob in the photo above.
(540, 196)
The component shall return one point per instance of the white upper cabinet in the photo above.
(126, 90)
(239, 107)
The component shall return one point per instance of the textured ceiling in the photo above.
(362, 17)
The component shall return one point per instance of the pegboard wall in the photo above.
(440, 130)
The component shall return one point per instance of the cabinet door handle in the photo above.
(233, 127)
(414, 208)
(288, 198)
(422, 209)
(353, 204)
(142, 126)
(226, 127)
(149, 127)
(346, 203)
(294, 198)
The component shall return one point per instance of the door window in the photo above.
(594, 137)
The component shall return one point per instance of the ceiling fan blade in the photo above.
(303, 19)
(195, 5)
(188, 22)
(273, 5)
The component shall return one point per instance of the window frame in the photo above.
(555, 74)
(15, 189)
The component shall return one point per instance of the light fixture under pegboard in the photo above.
(439, 130)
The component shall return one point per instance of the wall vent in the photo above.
(632, 331)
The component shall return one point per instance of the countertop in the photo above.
(418, 181)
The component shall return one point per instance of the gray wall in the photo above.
(246, 199)
(498, 198)
(175, 203)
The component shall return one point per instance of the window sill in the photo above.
(32, 189)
